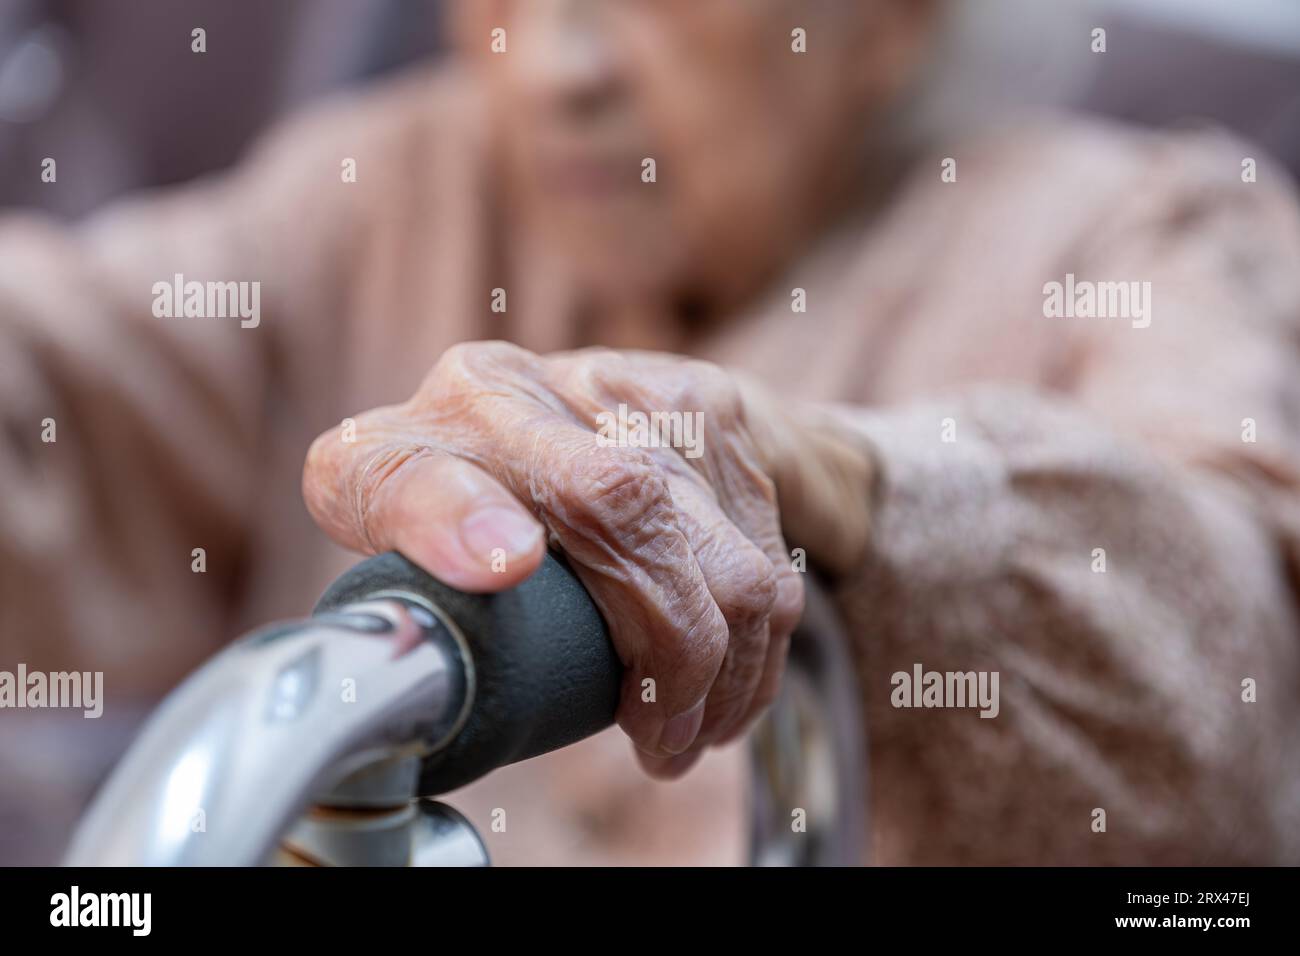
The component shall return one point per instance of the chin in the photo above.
(618, 280)
(624, 262)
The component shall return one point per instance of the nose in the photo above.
(563, 54)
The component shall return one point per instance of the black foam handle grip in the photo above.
(544, 672)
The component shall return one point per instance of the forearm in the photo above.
(1121, 597)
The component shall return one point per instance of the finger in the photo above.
(727, 455)
(743, 585)
(748, 497)
(612, 512)
(443, 513)
(730, 464)
(756, 515)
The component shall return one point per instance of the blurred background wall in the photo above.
(112, 88)
(1235, 62)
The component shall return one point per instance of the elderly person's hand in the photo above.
(681, 548)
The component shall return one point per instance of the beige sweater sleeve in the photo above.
(131, 439)
(1122, 549)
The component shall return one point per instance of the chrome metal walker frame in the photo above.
(262, 757)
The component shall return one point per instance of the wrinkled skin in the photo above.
(756, 147)
(499, 449)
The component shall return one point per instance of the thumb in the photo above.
(445, 514)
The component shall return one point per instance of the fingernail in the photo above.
(496, 527)
(680, 732)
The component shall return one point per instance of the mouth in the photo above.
(587, 175)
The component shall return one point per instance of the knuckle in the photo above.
(739, 689)
(731, 704)
(619, 487)
(596, 372)
(320, 472)
(454, 360)
(710, 387)
(596, 359)
(749, 592)
(322, 452)
(473, 362)
(375, 474)
(341, 481)
(702, 645)
(450, 376)
(330, 465)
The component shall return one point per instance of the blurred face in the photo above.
(752, 142)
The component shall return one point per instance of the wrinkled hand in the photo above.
(681, 548)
